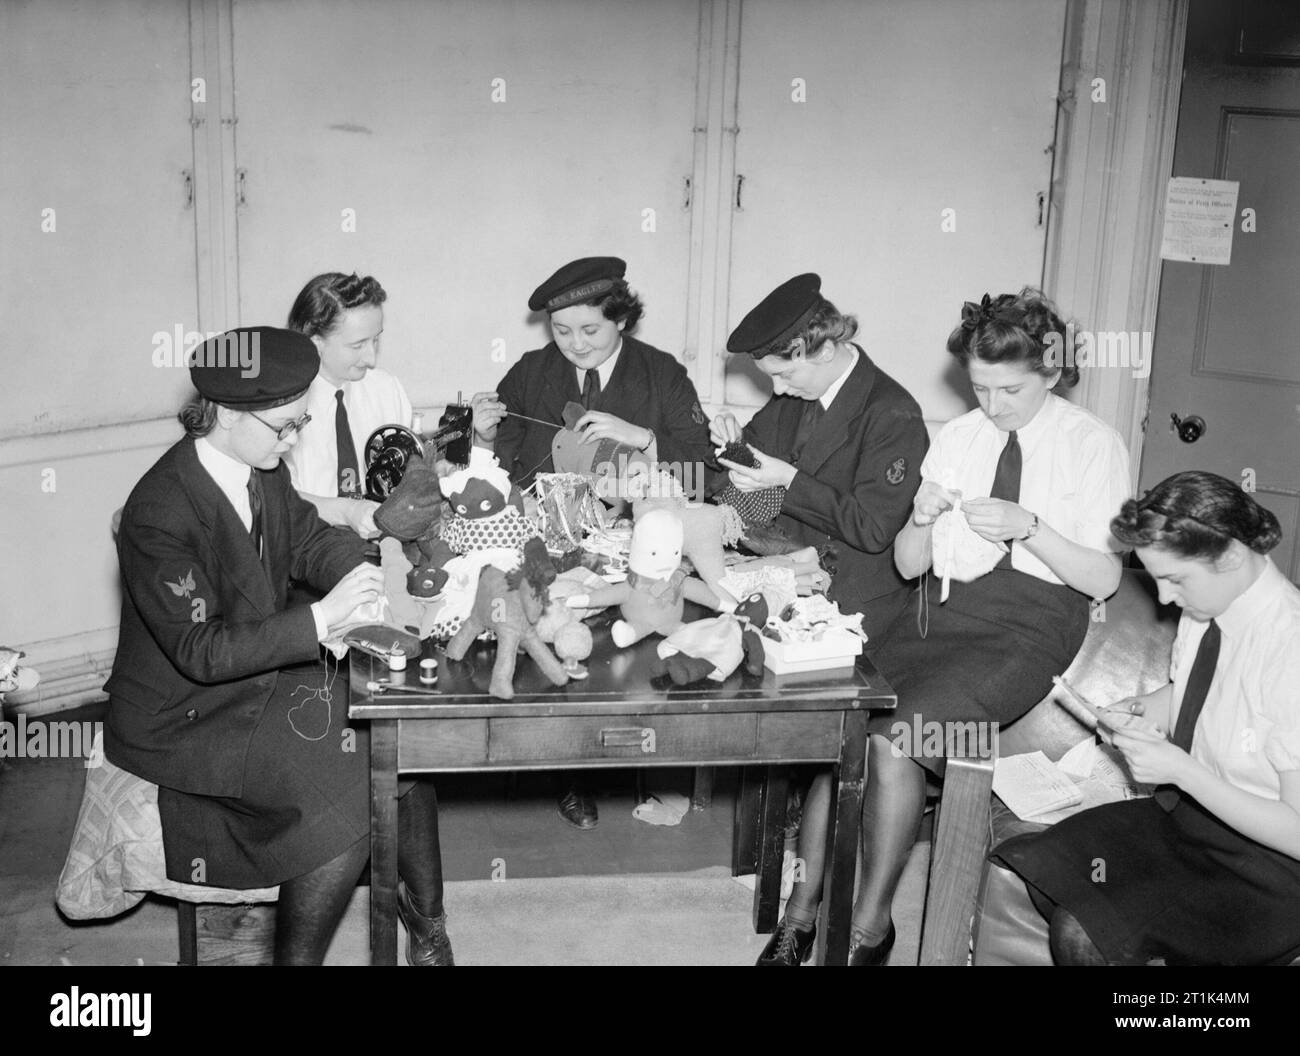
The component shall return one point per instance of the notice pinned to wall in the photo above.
(1199, 218)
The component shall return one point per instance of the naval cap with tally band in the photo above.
(254, 368)
(778, 318)
(577, 281)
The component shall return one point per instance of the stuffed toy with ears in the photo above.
(653, 598)
(510, 605)
(412, 514)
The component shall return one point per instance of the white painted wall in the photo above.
(464, 205)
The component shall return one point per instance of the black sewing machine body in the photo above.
(391, 447)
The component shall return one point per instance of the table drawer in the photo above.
(640, 739)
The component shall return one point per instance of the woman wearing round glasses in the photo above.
(218, 694)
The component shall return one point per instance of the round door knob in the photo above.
(1189, 429)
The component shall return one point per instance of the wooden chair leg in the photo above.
(702, 792)
(961, 840)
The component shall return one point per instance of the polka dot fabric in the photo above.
(508, 529)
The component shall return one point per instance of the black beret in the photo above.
(253, 368)
(577, 281)
(778, 318)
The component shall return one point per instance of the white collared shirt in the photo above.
(231, 477)
(833, 390)
(377, 399)
(1074, 472)
(605, 371)
(1249, 729)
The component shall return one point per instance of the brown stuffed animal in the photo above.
(412, 514)
(510, 605)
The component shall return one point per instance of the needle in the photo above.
(553, 425)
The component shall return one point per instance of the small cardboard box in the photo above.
(837, 648)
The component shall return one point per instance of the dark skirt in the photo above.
(988, 656)
(306, 792)
(1180, 885)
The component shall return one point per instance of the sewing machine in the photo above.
(390, 447)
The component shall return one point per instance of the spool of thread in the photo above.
(397, 660)
(429, 671)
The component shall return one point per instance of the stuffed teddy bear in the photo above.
(653, 598)
(412, 514)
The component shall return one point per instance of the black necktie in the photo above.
(255, 505)
(590, 389)
(812, 414)
(1198, 687)
(349, 469)
(1006, 482)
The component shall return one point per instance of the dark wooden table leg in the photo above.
(744, 825)
(383, 841)
(702, 788)
(842, 840)
(771, 849)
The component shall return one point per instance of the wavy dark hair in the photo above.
(320, 304)
(618, 304)
(1196, 515)
(828, 323)
(1014, 328)
(198, 416)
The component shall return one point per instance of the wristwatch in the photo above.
(648, 443)
(1033, 530)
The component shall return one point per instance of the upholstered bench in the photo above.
(1126, 652)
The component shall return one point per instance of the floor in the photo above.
(524, 886)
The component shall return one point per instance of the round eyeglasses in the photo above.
(283, 432)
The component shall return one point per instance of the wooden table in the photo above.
(622, 717)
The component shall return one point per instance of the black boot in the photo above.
(426, 937)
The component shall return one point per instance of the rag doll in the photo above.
(713, 648)
(706, 529)
(653, 598)
(487, 511)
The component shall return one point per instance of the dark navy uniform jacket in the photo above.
(648, 388)
(858, 473)
(204, 621)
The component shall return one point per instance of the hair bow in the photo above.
(973, 314)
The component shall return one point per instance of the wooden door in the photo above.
(479, 146)
(861, 123)
(1226, 348)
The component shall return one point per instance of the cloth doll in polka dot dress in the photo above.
(487, 512)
